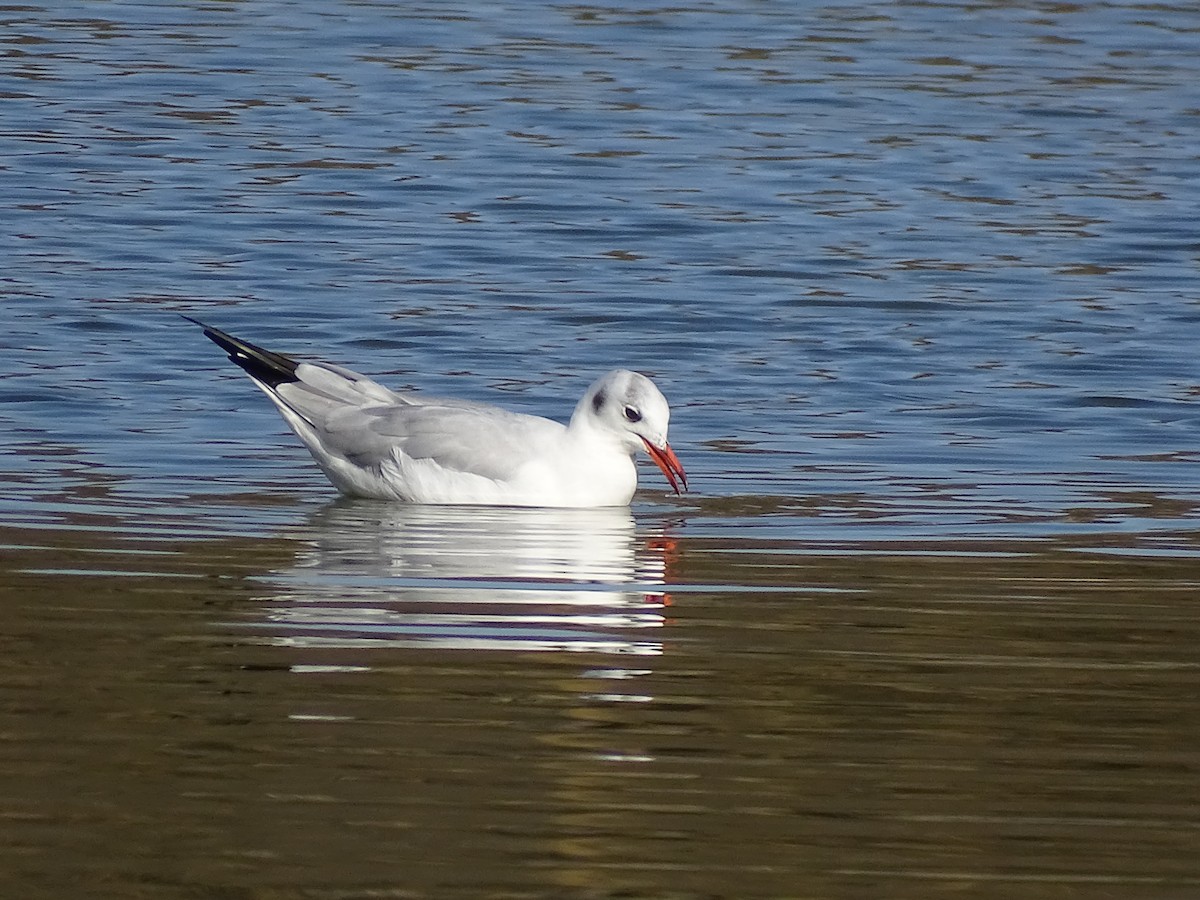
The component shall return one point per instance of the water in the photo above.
(920, 282)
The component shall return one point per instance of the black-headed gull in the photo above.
(374, 442)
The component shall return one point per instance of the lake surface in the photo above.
(921, 283)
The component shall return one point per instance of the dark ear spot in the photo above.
(598, 401)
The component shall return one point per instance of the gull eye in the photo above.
(632, 414)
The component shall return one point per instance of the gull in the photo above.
(373, 442)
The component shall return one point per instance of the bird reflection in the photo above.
(375, 575)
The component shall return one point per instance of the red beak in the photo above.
(664, 457)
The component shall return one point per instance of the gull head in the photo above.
(628, 406)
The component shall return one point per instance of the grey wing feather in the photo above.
(369, 424)
(482, 440)
(320, 389)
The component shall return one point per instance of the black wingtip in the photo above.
(272, 369)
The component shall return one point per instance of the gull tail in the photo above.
(264, 366)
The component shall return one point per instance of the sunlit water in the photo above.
(920, 282)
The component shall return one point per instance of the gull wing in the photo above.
(359, 431)
(353, 417)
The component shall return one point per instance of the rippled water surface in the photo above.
(920, 281)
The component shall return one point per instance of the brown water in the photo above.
(906, 721)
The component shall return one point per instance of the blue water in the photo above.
(863, 263)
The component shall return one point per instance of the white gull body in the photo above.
(374, 442)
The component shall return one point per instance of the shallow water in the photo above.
(352, 712)
(926, 313)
